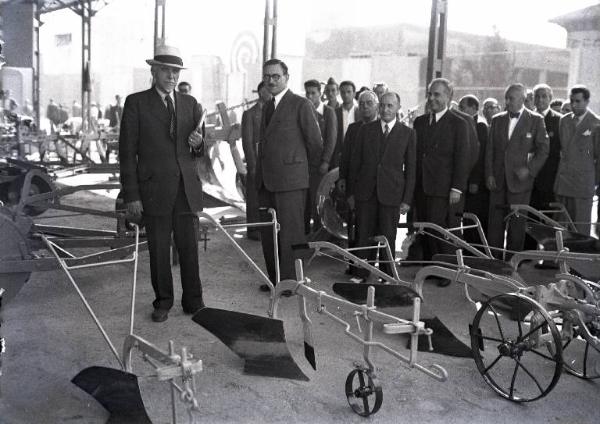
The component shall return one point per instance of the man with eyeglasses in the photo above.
(290, 139)
(158, 145)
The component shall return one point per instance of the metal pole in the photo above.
(159, 23)
(274, 38)
(266, 31)
(85, 8)
(437, 39)
(36, 63)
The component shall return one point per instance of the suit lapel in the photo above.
(521, 126)
(278, 111)
(157, 107)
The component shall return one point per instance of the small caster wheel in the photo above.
(364, 392)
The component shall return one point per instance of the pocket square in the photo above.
(587, 133)
(528, 135)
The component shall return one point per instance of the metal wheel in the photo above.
(364, 392)
(40, 183)
(580, 357)
(511, 349)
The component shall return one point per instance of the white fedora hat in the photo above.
(167, 56)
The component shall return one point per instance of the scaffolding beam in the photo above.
(437, 40)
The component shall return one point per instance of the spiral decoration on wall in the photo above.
(244, 51)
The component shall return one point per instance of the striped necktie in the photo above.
(172, 117)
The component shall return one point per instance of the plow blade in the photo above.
(117, 391)
(443, 340)
(259, 341)
(386, 295)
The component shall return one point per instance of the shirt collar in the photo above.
(348, 111)
(320, 108)
(279, 96)
(520, 112)
(389, 124)
(580, 118)
(439, 115)
(545, 112)
(163, 93)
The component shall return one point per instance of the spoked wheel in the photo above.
(511, 348)
(581, 358)
(364, 392)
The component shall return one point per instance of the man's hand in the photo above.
(351, 202)
(195, 140)
(491, 184)
(323, 168)
(341, 185)
(454, 197)
(523, 173)
(135, 209)
(473, 188)
(404, 208)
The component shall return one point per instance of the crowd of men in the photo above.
(451, 160)
(459, 156)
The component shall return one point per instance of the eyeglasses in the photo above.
(274, 77)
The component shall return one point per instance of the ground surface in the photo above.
(50, 338)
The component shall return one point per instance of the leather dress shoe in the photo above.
(160, 315)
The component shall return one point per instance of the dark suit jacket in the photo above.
(338, 152)
(544, 181)
(478, 172)
(151, 162)
(392, 175)
(251, 120)
(579, 168)
(527, 147)
(443, 154)
(348, 159)
(329, 127)
(291, 139)
(472, 138)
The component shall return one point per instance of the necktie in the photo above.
(269, 110)
(514, 115)
(386, 132)
(432, 119)
(172, 118)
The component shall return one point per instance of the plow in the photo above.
(522, 337)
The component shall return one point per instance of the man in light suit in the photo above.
(516, 151)
(579, 167)
(158, 146)
(289, 139)
(385, 179)
(251, 120)
(444, 160)
(328, 125)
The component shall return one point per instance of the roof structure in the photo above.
(580, 20)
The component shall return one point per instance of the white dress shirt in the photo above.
(513, 122)
(162, 95)
(279, 96)
(347, 117)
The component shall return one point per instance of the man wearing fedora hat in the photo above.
(158, 146)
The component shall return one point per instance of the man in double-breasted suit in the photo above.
(385, 179)
(543, 185)
(251, 121)
(158, 146)
(443, 163)
(320, 165)
(579, 167)
(516, 151)
(290, 139)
